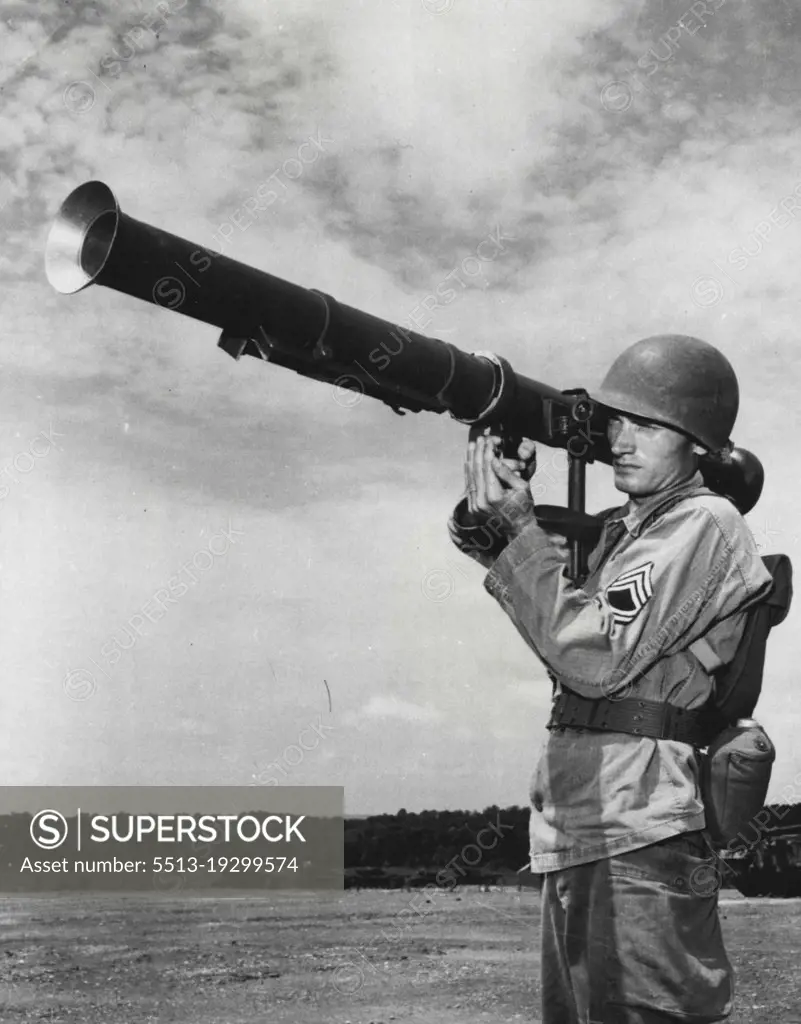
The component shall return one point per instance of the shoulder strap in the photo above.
(739, 684)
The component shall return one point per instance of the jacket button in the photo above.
(760, 745)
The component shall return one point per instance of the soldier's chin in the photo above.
(626, 480)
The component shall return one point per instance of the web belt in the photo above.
(652, 718)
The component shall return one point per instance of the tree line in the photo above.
(443, 847)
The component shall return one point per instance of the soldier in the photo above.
(630, 928)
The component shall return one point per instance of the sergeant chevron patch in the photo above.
(630, 592)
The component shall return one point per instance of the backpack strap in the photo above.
(739, 684)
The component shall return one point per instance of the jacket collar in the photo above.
(634, 516)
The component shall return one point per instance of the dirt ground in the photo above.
(351, 958)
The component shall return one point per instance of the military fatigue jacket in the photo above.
(663, 606)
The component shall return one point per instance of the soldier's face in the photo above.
(647, 457)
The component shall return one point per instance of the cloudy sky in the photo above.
(639, 161)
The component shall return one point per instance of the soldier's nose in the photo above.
(621, 438)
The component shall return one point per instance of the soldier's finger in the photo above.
(508, 477)
(527, 452)
(471, 464)
(494, 488)
(475, 478)
(470, 479)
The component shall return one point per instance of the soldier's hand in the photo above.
(526, 462)
(495, 486)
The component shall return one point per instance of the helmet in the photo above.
(676, 380)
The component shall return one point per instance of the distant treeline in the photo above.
(448, 848)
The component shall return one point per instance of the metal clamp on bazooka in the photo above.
(93, 242)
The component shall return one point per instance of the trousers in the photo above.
(636, 938)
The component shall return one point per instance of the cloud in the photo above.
(391, 707)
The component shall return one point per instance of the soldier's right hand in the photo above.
(494, 486)
(524, 466)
